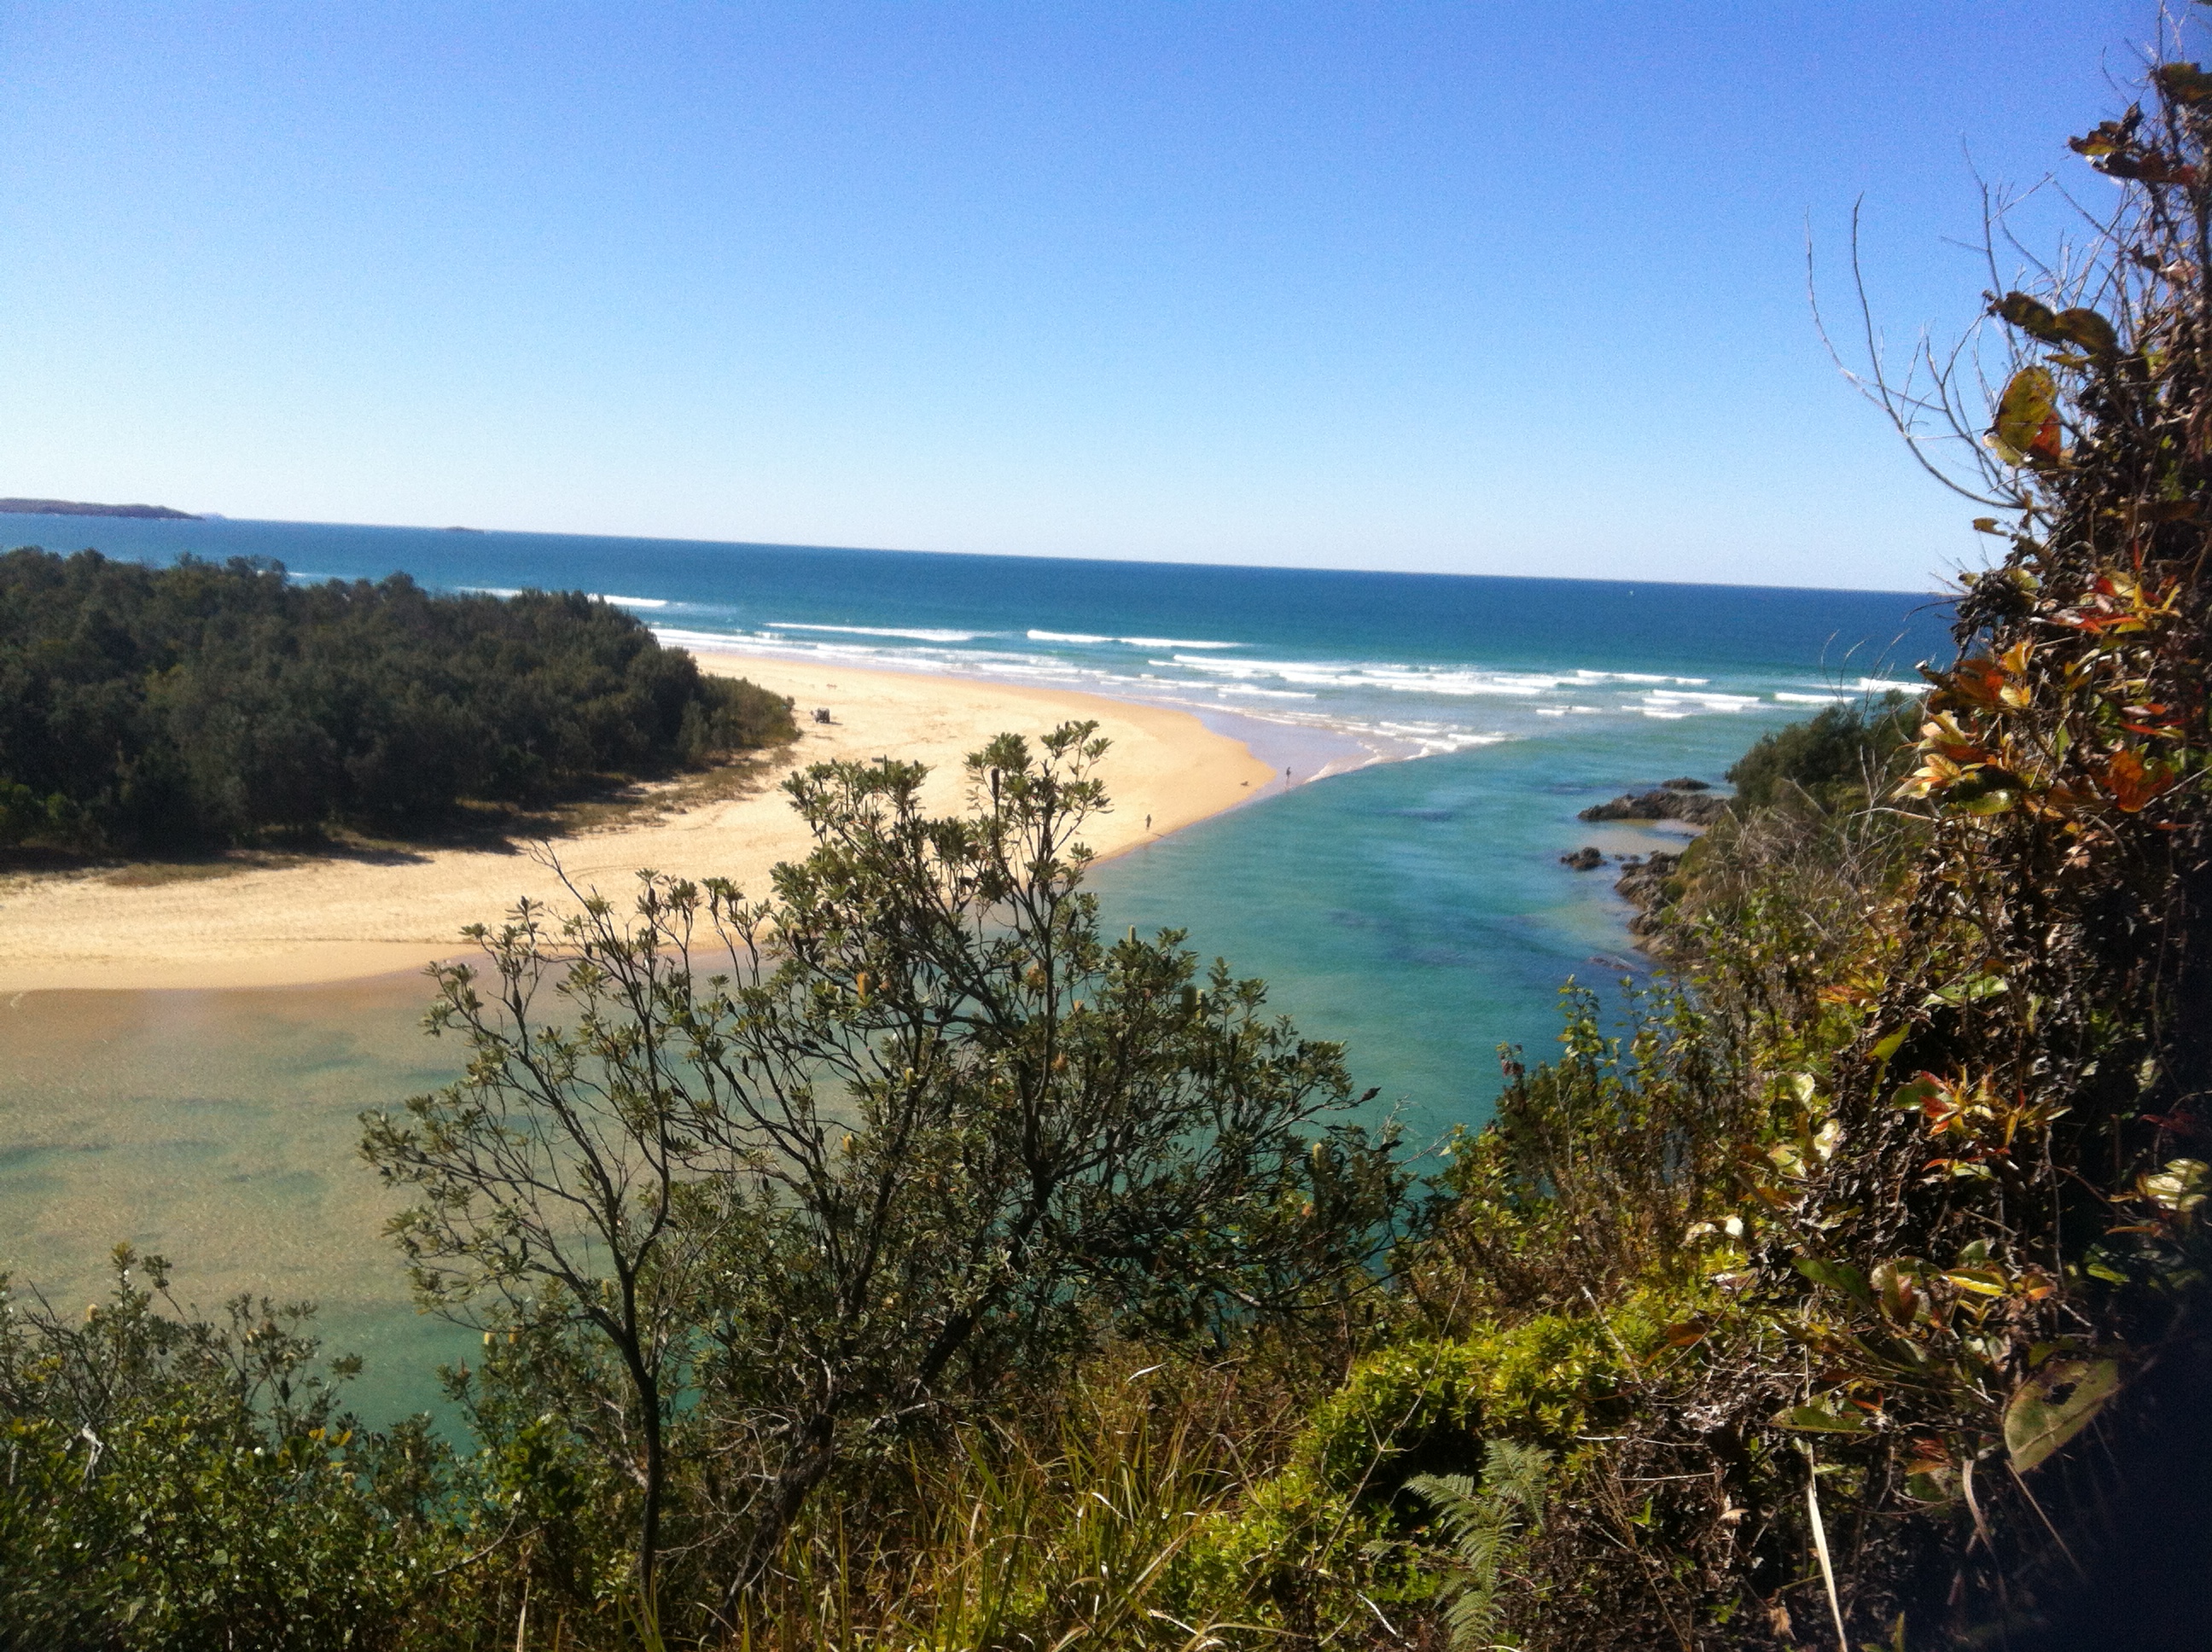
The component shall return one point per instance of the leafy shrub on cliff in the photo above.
(1957, 1068)
(172, 1483)
(1842, 758)
(194, 705)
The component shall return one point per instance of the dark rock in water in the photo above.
(1586, 858)
(1684, 783)
(1688, 807)
(1644, 886)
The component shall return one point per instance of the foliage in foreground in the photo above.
(1918, 1152)
(764, 1195)
(172, 1482)
(144, 709)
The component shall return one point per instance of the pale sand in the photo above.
(342, 920)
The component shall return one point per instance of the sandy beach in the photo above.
(343, 918)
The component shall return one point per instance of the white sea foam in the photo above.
(1676, 698)
(631, 601)
(1343, 697)
(1466, 683)
(1231, 667)
(1584, 674)
(1883, 685)
(916, 634)
(476, 590)
(1399, 679)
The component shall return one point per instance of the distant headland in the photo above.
(69, 507)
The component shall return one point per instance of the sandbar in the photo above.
(341, 919)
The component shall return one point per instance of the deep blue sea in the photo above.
(1411, 902)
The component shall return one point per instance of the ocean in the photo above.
(1412, 904)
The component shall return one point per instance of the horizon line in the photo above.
(1936, 591)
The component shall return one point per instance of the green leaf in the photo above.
(1819, 1419)
(2090, 331)
(1836, 1276)
(1917, 1093)
(2184, 82)
(1981, 1281)
(1994, 801)
(1971, 991)
(2032, 316)
(2026, 429)
(2054, 1404)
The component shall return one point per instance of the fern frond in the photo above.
(1483, 1523)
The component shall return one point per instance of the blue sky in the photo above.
(1478, 287)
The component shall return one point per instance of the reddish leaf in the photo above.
(2133, 783)
(2027, 431)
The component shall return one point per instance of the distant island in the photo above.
(70, 508)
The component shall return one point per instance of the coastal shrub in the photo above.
(198, 705)
(1345, 1516)
(770, 1192)
(174, 1483)
(1843, 757)
(1805, 801)
(1946, 1181)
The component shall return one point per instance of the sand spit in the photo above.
(338, 919)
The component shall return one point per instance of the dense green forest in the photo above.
(145, 709)
(902, 1261)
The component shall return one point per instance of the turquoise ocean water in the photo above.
(1413, 904)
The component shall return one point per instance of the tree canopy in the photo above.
(922, 1138)
(203, 704)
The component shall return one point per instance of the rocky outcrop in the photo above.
(1588, 858)
(1666, 802)
(1643, 884)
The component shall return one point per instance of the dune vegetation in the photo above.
(902, 1262)
(147, 710)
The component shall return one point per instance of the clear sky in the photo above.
(1480, 288)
